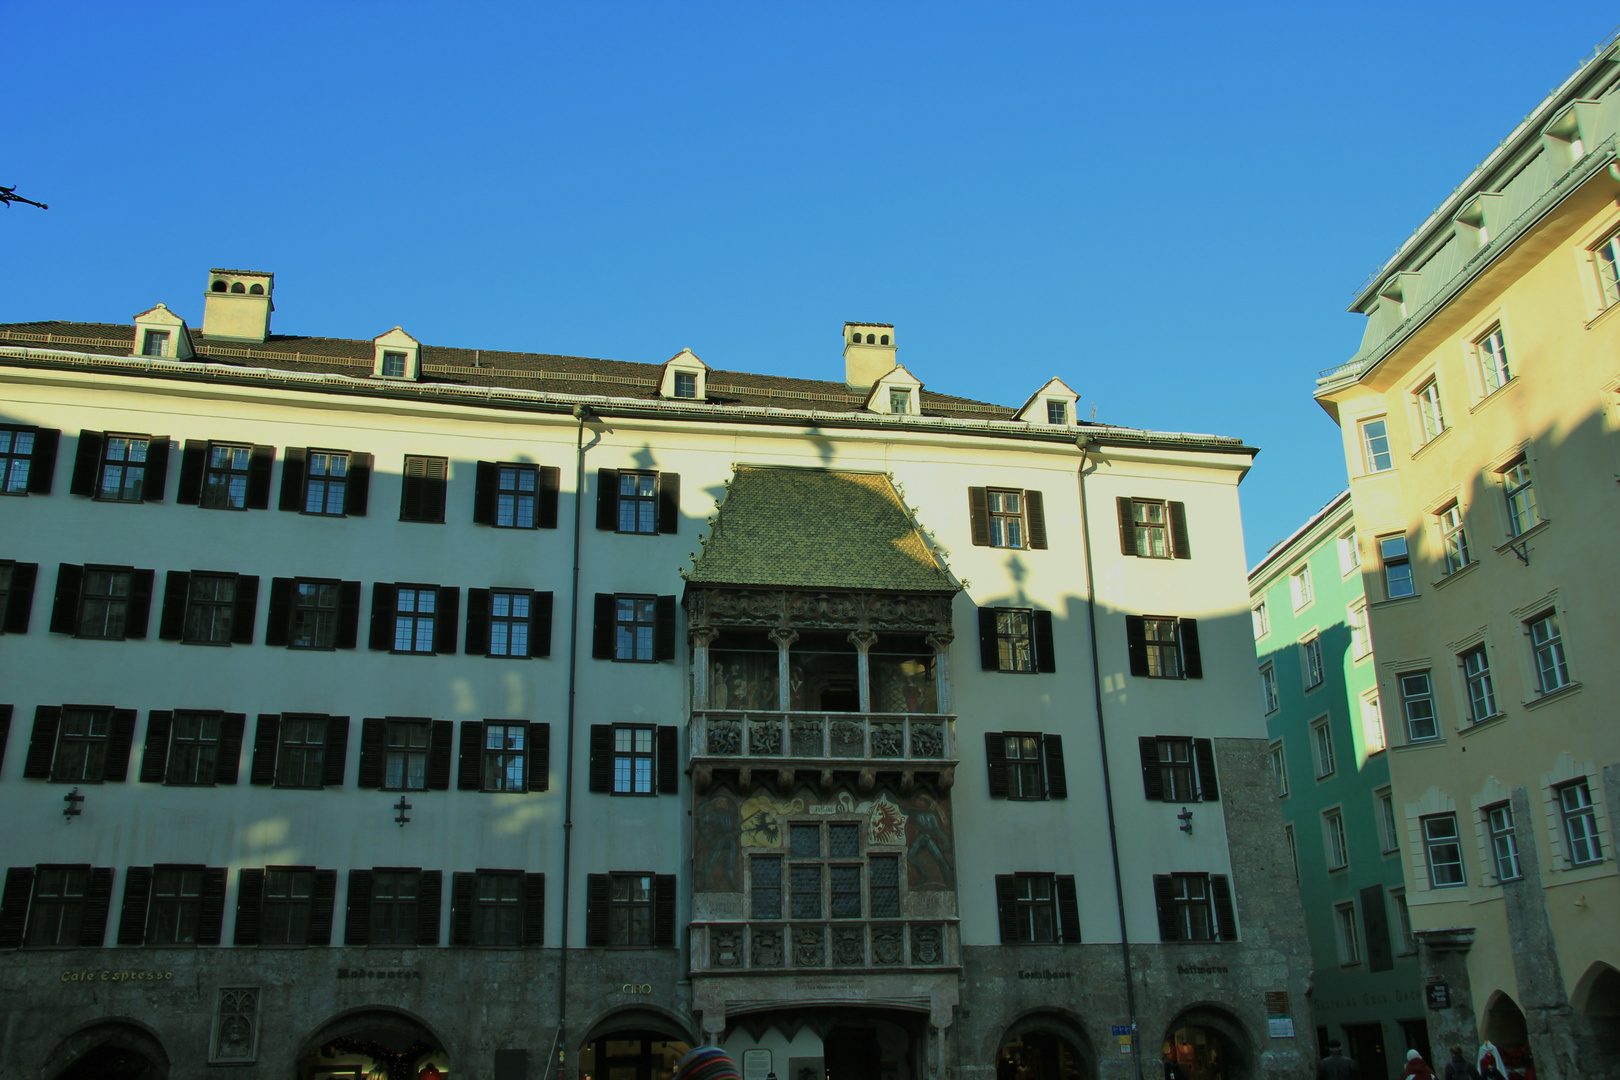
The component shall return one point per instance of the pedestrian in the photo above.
(1458, 1068)
(1417, 1068)
(1336, 1066)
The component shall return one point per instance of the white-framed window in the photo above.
(1580, 824)
(1299, 585)
(1431, 422)
(1322, 747)
(1293, 851)
(1518, 489)
(1262, 620)
(1311, 656)
(1372, 723)
(393, 365)
(1344, 919)
(1490, 352)
(1397, 562)
(1360, 632)
(686, 384)
(1268, 688)
(1547, 646)
(1335, 844)
(1417, 700)
(1504, 844)
(1454, 537)
(1279, 768)
(1349, 553)
(1375, 445)
(899, 401)
(1389, 837)
(1476, 666)
(1403, 923)
(155, 343)
(1607, 260)
(1057, 411)
(1443, 847)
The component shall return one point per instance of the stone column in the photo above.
(1443, 958)
(700, 640)
(784, 692)
(863, 640)
(941, 642)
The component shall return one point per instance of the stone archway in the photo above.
(120, 1049)
(1504, 1021)
(1597, 997)
(372, 1040)
(1205, 1042)
(1045, 1046)
(632, 1044)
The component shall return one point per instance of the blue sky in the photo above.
(1169, 206)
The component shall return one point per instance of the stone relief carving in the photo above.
(236, 1025)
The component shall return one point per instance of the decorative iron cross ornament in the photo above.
(401, 806)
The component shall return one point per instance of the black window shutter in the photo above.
(249, 906)
(463, 887)
(157, 469)
(534, 910)
(337, 751)
(1068, 901)
(663, 899)
(440, 736)
(265, 739)
(1375, 919)
(229, 762)
(357, 919)
(601, 627)
(98, 902)
(1204, 754)
(545, 510)
(995, 754)
(348, 614)
(607, 499)
(1220, 890)
(42, 743)
(86, 462)
(65, 610)
(139, 612)
(597, 891)
(193, 459)
(979, 516)
(14, 905)
(601, 757)
(242, 611)
(5, 730)
(277, 621)
(539, 757)
(989, 654)
(1057, 773)
(669, 760)
(1127, 526)
(120, 737)
(21, 599)
(172, 622)
(373, 736)
(1152, 777)
(540, 624)
(1136, 643)
(137, 895)
(446, 621)
(211, 909)
(469, 775)
(429, 903)
(1164, 893)
(664, 629)
(357, 491)
(1181, 549)
(322, 902)
(258, 478)
(1192, 660)
(669, 502)
(155, 755)
(292, 479)
(1045, 650)
(383, 600)
(1035, 508)
(476, 641)
(1007, 907)
(43, 465)
(484, 487)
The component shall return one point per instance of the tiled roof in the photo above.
(816, 528)
(544, 372)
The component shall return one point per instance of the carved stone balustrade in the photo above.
(790, 744)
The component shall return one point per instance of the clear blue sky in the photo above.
(1169, 206)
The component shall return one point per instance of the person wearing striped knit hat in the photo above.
(707, 1063)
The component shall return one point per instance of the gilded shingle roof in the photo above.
(817, 528)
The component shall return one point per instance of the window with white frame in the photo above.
(1311, 654)
(1372, 723)
(1607, 260)
(1519, 490)
(1403, 923)
(1279, 768)
(1389, 837)
(1360, 633)
(1322, 747)
(1299, 585)
(1431, 422)
(1375, 445)
(1344, 919)
(1057, 411)
(1397, 566)
(1547, 646)
(1443, 847)
(1580, 824)
(1455, 539)
(1476, 667)
(1490, 352)
(1268, 688)
(1417, 701)
(1336, 845)
(1504, 844)
(1262, 620)
(1349, 553)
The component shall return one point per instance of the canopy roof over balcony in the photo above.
(783, 527)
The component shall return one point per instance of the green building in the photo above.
(1320, 694)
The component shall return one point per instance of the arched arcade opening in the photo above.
(1207, 1043)
(109, 1050)
(374, 1044)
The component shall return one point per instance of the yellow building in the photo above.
(1479, 422)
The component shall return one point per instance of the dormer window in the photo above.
(161, 333)
(155, 343)
(1057, 412)
(1053, 405)
(686, 384)
(393, 365)
(900, 402)
(684, 377)
(398, 356)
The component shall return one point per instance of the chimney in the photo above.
(237, 305)
(868, 353)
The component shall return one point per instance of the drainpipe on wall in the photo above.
(1085, 443)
